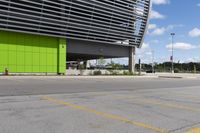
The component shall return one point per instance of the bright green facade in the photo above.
(27, 53)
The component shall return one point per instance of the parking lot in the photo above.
(99, 105)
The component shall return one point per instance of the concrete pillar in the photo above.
(132, 59)
(78, 64)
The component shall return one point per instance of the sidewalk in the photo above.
(149, 75)
(175, 75)
(76, 77)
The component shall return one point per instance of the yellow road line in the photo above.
(154, 102)
(194, 131)
(121, 97)
(178, 95)
(105, 115)
(186, 96)
(169, 105)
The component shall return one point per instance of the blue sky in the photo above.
(181, 17)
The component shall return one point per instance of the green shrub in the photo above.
(115, 73)
(176, 70)
(97, 72)
(128, 73)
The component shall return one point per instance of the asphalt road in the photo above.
(16, 86)
(99, 105)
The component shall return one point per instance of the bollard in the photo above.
(6, 71)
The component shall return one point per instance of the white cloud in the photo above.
(152, 26)
(193, 59)
(156, 15)
(159, 2)
(144, 53)
(149, 53)
(145, 46)
(182, 46)
(173, 26)
(198, 5)
(195, 32)
(162, 30)
(158, 31)
(154, 41)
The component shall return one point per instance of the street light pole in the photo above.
(152, 53)
(172, 57)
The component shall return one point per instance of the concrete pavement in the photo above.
(88, 105)
(30, 85)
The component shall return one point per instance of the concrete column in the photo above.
(132, 59)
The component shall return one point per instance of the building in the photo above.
(40, 36)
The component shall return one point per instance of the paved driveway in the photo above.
(97, 105)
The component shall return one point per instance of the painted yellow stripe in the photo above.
(105, 115)
(162, 104)
(158, 103)
(186, 96)
(194, 131)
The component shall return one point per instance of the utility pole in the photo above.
(140, 66)
(152, 52)
(172, 57)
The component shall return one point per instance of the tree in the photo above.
(101, 61)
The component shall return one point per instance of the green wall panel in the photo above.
(26, 53)
(61, 55)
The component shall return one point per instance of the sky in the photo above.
(181, 17)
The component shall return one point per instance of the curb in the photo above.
(75, 77)
(176, 77)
